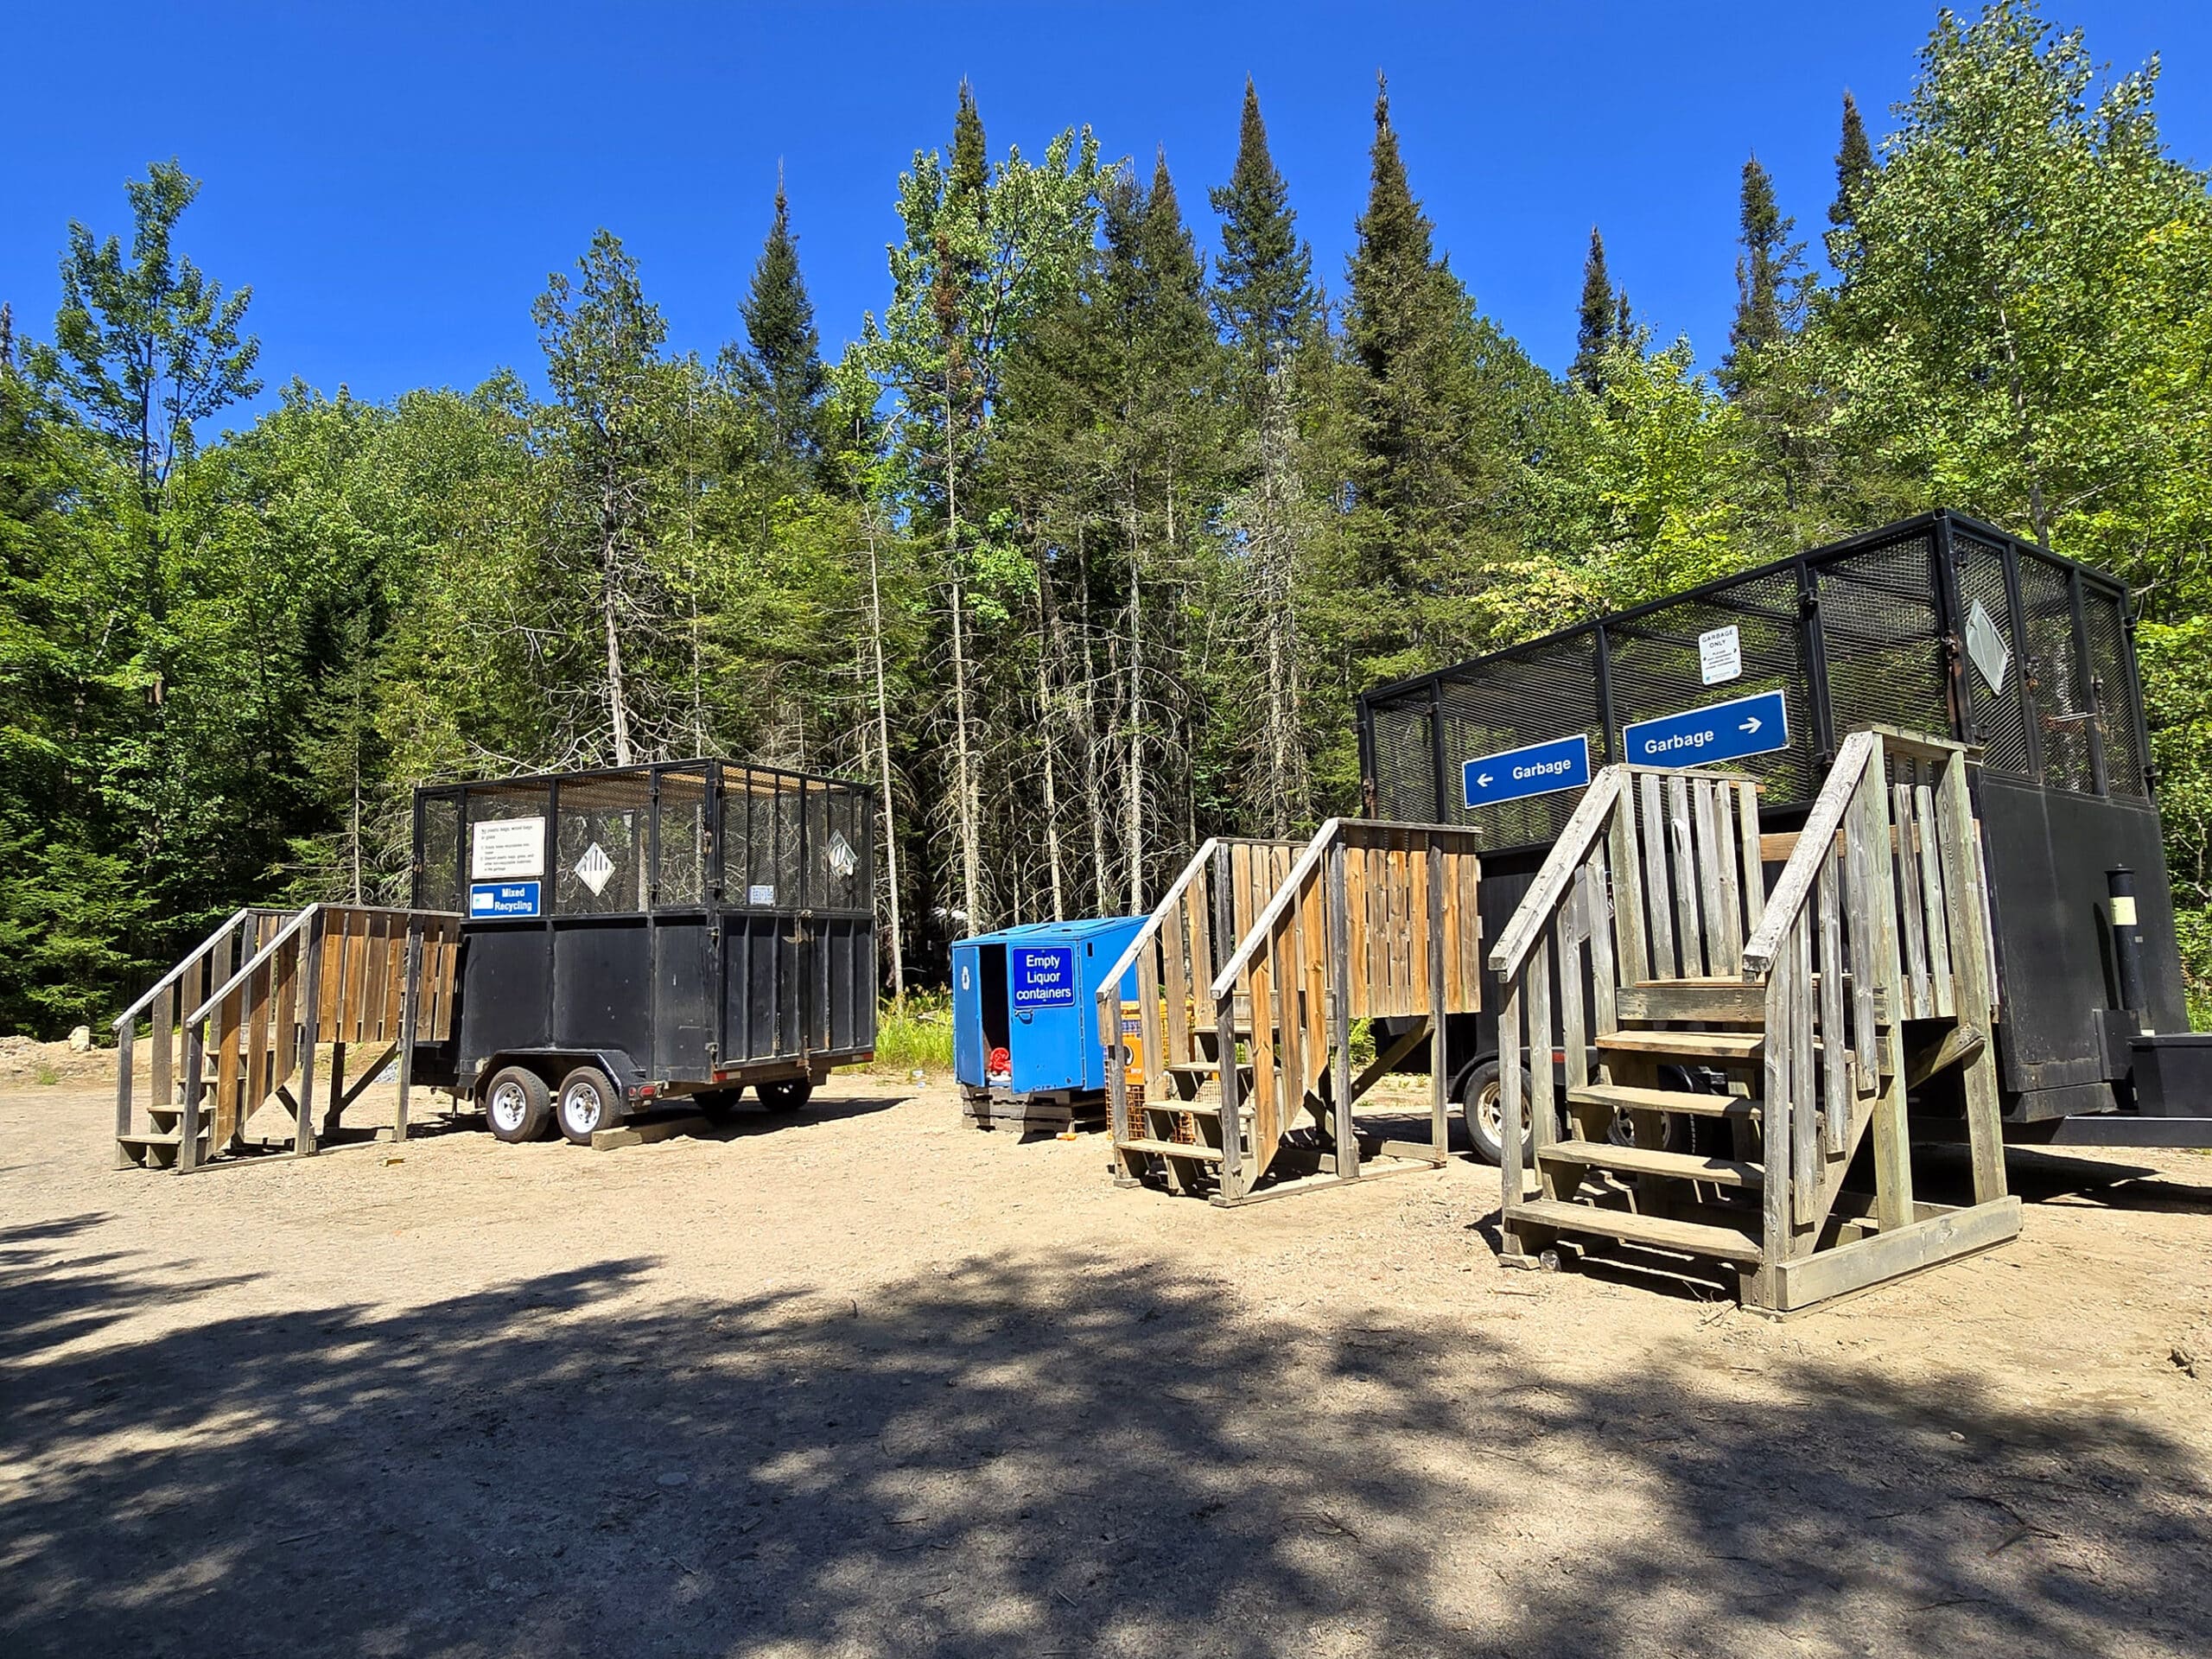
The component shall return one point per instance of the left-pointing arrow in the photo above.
(1482, 779)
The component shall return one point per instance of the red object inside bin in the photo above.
(999, 1063)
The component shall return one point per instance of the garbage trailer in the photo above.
(638, 935)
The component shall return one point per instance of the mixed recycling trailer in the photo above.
(686, 929)
(1941, 624)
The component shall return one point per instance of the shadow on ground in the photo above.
(1020, 1457)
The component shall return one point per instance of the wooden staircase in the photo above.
(240, 1020)
(1248, 1089)
(1651, 952)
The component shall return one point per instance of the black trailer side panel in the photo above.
(602, 987)
(507, 988)
(682, 1013)
(2048, 853)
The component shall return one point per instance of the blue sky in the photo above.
(396, 181)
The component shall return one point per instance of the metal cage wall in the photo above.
(1856, 633)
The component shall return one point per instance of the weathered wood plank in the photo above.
(1632, 955)
(1920, 1005)
(1967, 917)
(1604, 973)
(1930, 898)
(1747, 807)
(1512, 1109)
(1689, 936)
(1865, 970)
(1659, 905)
(1440, 1008)
(1835, 1083)
(1893, 1252)
(1774, 1117)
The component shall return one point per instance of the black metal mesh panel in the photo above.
(2102, 612)
(1999, 724)
(1654, 662)
(600, 845)
(439, 887)
(1884, 650)
(845, 853)
(1534, 694)
(2055, 677)
(761, 855)
(1405, 764)
(682, 875)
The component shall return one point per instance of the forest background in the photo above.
(1081, 552)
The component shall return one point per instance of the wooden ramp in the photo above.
(240, 1020)
(1726, 1051)
(1249, 978)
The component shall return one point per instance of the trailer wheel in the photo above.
(785, 1093)
(719, 1103)
(588, 1103)
(1480, 1105)
(517, 1104)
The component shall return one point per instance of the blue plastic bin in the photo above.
(1032, 991)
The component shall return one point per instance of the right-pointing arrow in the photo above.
(1751, 725)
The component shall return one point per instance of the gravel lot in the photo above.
(873, 1382)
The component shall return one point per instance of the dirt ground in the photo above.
(874, 1382)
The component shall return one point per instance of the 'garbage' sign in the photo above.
(1536, 769)
(1719, 731)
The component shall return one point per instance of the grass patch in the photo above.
(46, 1075)
(918, 1038)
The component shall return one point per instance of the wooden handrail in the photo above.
(1287, 893)
(1795, 885)
(1224, 982)
(293, 927)
(1546, 892)
(1109, 996)
(241, 913)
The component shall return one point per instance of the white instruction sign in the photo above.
(1986, 645)
(500, 848)
(1721, 655)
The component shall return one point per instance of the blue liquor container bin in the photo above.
(1026, 1049)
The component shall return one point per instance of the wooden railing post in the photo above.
(411, 998)
(124, 1039)
(196, 1060)
(1892, 1147)
(1347, 1139)
(1965, 902)
(311, 1033)
(1232, 1186)
(1439, 1081)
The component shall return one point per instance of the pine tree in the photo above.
(1265, 301)
(1855, 168)
(1766, 289)
(1596, 320)
(1402, 334)
(783, 369)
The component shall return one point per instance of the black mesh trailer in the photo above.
(1939, 624)
(643, 933)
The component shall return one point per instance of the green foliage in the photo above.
(917, 1037)
(1119, 544)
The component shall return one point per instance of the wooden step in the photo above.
(158, 1138)
(1690, 1238)
(1171, 1149)
(1202, 1109)
(1646, 1161)
(1717, 1002)
(1628, 1097)
(1716, 1047)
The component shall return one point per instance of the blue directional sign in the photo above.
(1044, 975)
(1719, 731)
(1538, 769)
(498, 899)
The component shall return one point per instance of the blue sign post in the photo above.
(1043, 976)
(1538, 769)
(490, 898)
(1719, 731)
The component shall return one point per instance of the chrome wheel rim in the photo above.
(508, 1106)
(584, 1106)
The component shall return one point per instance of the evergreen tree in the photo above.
(783, 369)
(1265, 300)
(1767, 279)
(1596, 321)
(1855, 169)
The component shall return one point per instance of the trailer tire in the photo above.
(1479, 1106)
(518, 1105)
(784, 1093)
(719, 1104)
(588, 1103)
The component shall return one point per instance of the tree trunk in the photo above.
(1134, 793)
(883, 754)
(1047, 626)
(971, 845)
